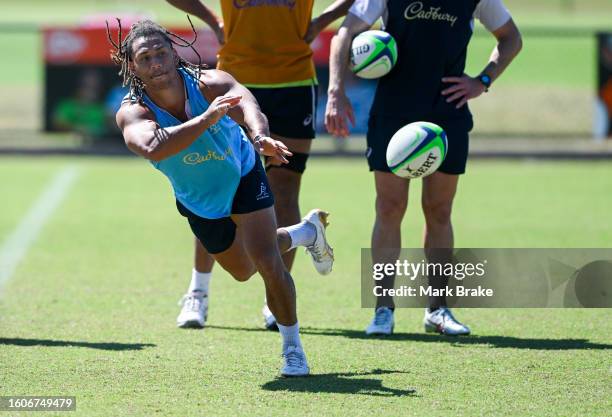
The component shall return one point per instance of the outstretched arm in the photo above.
(197, 8)
(335, 11)
(144, 136)
(339, 108)
(246, 113)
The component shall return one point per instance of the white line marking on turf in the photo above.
(18, 242)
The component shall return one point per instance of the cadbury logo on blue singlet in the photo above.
(195, 158)
(243, 4)
(416, 11)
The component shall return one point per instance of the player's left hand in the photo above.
(464, 88)
(275, 149)
(313, 30)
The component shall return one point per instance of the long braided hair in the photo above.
(122, 54)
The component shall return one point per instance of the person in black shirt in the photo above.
(428, 83)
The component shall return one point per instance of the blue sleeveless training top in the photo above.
(205, 175)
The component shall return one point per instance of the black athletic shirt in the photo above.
(432, 38)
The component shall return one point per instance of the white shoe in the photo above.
(194, 310)
(442, 321)
(294, 362)
(322, 254)
(382, 323)
(269, 319)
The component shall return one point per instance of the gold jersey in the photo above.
(264, 42)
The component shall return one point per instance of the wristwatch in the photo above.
(485, 80)
(255, 140)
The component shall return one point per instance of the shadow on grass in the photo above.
(67, 343)
(339, 383)
(493, 341)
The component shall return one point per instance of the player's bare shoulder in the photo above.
(132, 112)
(136, 121)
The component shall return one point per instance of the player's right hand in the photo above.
(338, 113)
(219, 108)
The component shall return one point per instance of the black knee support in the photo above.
(297, 163)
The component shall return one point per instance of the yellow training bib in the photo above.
(264, 41)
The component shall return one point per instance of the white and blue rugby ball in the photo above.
(417, 150)
(373, 54)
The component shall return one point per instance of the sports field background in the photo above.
(548, 92)
(90, 309)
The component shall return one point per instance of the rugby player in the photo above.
(176, 116)
(265, 46)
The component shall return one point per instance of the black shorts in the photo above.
(253, 194)
(382, 129)
(291, 111)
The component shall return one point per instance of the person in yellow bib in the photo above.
(265, 45)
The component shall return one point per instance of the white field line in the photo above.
(16, 245)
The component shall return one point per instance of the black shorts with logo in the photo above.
(253, 194)
(291, 111)
(382, 129)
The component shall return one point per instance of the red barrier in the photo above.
(83, 90)
(90, 46)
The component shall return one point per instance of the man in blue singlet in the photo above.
(428, 83)
(265, 46)
(187, 123)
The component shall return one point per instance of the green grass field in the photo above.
(90, 310)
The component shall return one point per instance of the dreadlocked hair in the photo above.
(122, 54)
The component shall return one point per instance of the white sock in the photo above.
(199, 281)
(290, 335)
(302, 234)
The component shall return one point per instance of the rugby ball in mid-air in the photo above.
(417, 150)
(373, 54)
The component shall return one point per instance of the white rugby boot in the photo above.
(294, 362)
(322, 254)
(194, 310)
(442, 321)
(382, 323)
